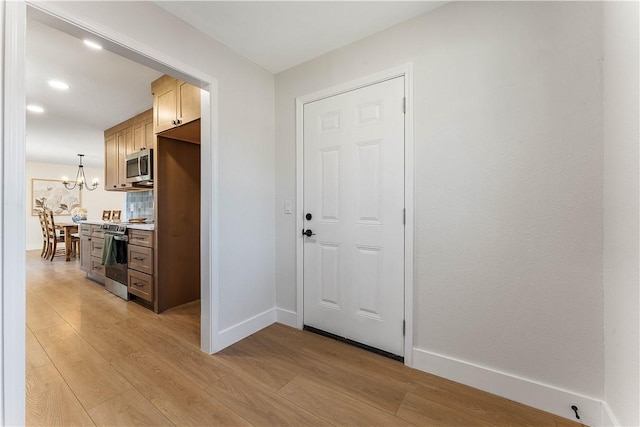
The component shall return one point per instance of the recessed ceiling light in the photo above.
(92, 44)
(57, 84)
(35, 108)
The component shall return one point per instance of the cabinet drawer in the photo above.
(141, 237)
(96, 266)
(141, 259)
(96, 247)
(141, 285)
(85, 230)
(96, 231)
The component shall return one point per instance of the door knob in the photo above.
(308, 216)
(308, 233)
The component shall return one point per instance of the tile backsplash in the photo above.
(142, 204)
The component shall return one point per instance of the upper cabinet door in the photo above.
(188, 103)
(165, 101)
(111, 162)
(175, 103)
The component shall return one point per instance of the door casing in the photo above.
(405, 70)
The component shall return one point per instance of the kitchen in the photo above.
(127, 126)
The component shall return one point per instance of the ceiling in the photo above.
(278, 35)
(106, 89)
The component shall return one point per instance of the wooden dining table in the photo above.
(68, 228)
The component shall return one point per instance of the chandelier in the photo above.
(80, 181)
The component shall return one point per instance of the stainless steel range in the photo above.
(115, 268)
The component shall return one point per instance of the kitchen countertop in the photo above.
(148, 227)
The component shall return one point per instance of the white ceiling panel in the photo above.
(281, 34)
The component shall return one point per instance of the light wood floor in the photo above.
(94, 359)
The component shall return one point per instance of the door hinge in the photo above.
(404, 327)
(404, 104)
(404, 216)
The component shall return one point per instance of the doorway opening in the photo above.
(15, 15)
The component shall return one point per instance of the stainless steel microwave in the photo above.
(139, 168)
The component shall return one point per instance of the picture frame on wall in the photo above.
(52, 194)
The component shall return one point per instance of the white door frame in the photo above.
(12, 187)
(405, 70)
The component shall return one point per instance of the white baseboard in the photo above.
(287, 317)
(245, 328)
(608, 418)
(541, 396)
(34, 246)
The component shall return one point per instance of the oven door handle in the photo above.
(121, 238)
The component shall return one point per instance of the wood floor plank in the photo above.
(196, 366)
(40, 315)
(381, 392)
(49, 401)
(423, 412)
(563, 422)
(334, 406)
(55, 334)
(483, 405)
(259, 405)
(128, 409)
(89, 375)
(36, 355)
(272, 374)
(173, 395)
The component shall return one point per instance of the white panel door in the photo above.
(354, 194)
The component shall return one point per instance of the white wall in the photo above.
(621, 208)
(508, 183)
(246, 151)
(94, 201)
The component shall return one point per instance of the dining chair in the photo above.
(54, 238)
(106, 215)
(45, 237)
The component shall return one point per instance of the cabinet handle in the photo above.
(138, 284)
(115, 186)
(138, 258)
(178, 121)
(123, 185)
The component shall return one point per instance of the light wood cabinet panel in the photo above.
(141, 285)
(85, 253)
(141, 259)
(141, 238)
(165, 99)
(111, 162)
(125, 138)
(97, 245)
(149, 134)
(175, 103)
(96, 231)
(97, 269)
(188, 108)
(138, 137)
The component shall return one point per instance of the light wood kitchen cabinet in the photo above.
(85, 247)
(141, 264)
(123, 139)
(143, 135)
(175, 103)
(91, 243)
